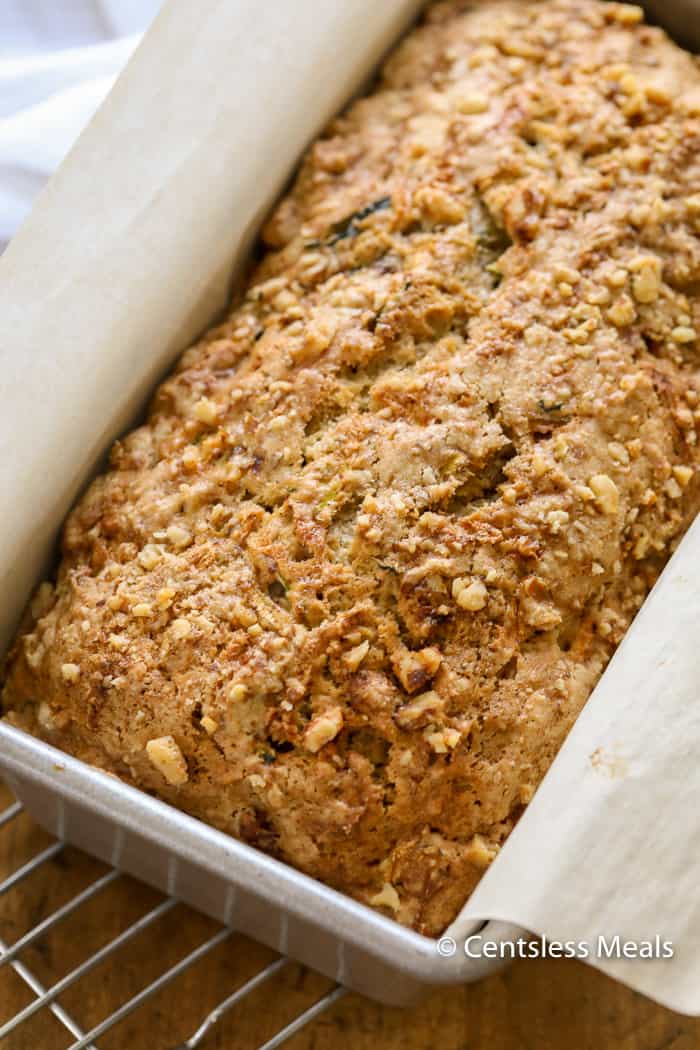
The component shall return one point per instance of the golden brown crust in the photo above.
(346, 591)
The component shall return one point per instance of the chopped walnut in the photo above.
(646, 279)
(443, 740)
(45, 716)
(480, 853)
(439, 206)
(627, 14)
(683, 475)
(415, 669)
(181, 628)
(619, 453)
(606, 493)
(683, 334)
(386, 898)
(471, 102)
(244, 616)
(178, 536)
(354, 657)
(206, 411)
(190, 459)
(209, 724)
(70, 672)
(622, 312)
(557, 519)
(418, 709)
(149, 557)
(617, 278)
(323, 729)
(469, 594)
(168, 759)
(539, 465)
(539, 614)
(165, 596)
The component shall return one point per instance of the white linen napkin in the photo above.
(58, 60)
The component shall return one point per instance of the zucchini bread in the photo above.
(346, 590)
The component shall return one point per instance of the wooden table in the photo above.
(539, 1004)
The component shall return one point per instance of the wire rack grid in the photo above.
(44, 997)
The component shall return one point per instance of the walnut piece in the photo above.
(606, 493)
(168, 759)
(471, 595)
(386, 898)
(323, 729)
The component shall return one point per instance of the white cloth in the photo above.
(58, 60)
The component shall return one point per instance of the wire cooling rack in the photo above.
(47, 998)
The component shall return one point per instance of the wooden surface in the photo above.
(541, 1005)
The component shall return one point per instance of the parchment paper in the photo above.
(131, 250)
(610, 844)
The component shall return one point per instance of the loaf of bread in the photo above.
(347, 589)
